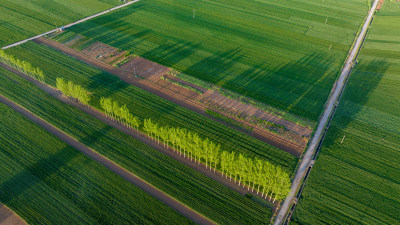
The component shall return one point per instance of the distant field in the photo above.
(145, 105)
(20, 19)
(192, 188)
(45, 181)
(284, 53)
(358, 182)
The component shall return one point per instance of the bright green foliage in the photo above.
(243, 168)
(73, 90)
(192, 188)
(45, 181)
(281, 52)
(20, 19)
(121, 114)
(357, 181)
(145, 105)
(22, 66)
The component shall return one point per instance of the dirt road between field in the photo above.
(9, 217)
(70, 25)
(122, 172)
(217, 176)
(261, 134)
(331, 104)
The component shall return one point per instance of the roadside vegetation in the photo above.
(197, 191)
(45, 181)
(356, 178)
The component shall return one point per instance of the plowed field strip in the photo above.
(269, 137)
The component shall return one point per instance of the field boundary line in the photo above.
(70, 25)
(316, 142)
(114, 167)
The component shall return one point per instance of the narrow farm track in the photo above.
(9, 217)
(171, 202)
(323, 125)
(71, 24)
(263, 135)
(217, 176)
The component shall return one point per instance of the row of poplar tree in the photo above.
(72, 90)
(22, 66)
(258, 175)
(119, 113)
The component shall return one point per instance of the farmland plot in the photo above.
(145, 105)
(358, 181)
(45, 181)
(283, 53)
(194, 189)
(20, 19)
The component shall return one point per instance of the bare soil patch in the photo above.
(380, 4)
(105, 53)
(148, 75)
(8, 217)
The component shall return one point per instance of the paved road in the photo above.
(171, 202)
(69, 25)
(332, 101)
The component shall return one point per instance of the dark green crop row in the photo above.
(23, 19)
(45, 181)
(356, 177)
(285, 53)
(194, 189)
(144, 104)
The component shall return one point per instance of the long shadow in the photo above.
(44, 169)
(105, 80)
(299, 87)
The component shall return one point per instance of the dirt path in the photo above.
(8, 217)
(380, 4)
(261, 134)
(323, 125)
(70, 25)
(217, 176)
(171, 202)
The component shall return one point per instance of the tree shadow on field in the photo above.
(107, 84)
(171, 53)
(44, 169)
(211, 68)
(295, 87)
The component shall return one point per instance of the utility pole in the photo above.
(194, 13)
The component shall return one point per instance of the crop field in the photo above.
(45, 181)
(194, 189)
(145, 105)
(358, 181)
(20, 19)
(283, 53)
